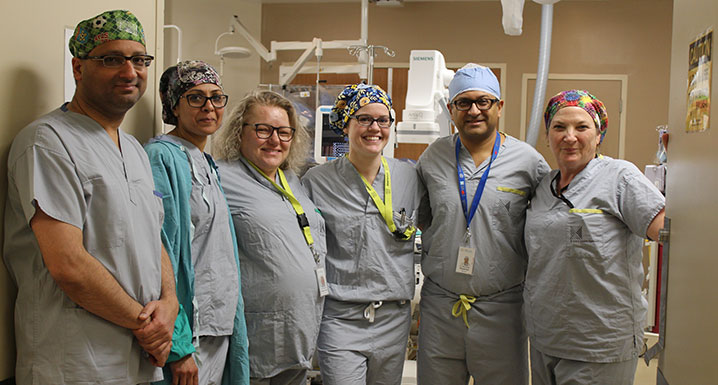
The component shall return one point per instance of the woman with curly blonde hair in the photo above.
(227, 145)
(280, 234)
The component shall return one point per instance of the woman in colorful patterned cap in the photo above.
(280, 235)
(209, 343)
(369, 203)
(584, 231)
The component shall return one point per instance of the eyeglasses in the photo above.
(265, 131)
(483, 104)
(114, 61)
(199, 100)
(368, 120)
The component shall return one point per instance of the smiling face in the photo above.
(267, 154)
(474, 124)
(195, 124)
(573, 138)
(368, 141)
(112, 91)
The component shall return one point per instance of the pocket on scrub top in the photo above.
(106, 200)
(145, 200)
(266, 332)
(585, 232)
(403, 221)
(509, 210)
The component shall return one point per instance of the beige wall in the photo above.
(630, 37)
(201, 23)
(31, 71)
(691, 183)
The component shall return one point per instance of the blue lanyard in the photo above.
(469, 215)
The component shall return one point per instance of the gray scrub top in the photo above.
(282, 305)
(582, 298)
(216, 286)
(365, 261)
(68, 164)
(497, 226)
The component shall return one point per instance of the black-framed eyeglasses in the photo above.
(114, 61)
(368, 120)
(483, 104)
(199, 100)
(265, 131)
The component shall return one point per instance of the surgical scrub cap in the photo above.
(176, 80)
(474, 77)
(581, 99)
(108, 26)
(353, 98)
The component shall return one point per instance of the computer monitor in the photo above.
(329, 145)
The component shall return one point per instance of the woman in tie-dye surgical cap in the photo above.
(584, 236)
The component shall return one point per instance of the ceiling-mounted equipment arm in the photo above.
(317, 46)
(261, 50)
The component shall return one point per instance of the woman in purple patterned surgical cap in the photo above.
(209, 343)
(177, 80)
(584, 236)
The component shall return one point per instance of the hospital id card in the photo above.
(465, 260)
(322, 281)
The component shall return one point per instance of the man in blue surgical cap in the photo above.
(478, 184)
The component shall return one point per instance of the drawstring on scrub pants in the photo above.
(462, 306)
(370, 310)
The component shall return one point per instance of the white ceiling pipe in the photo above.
(542, 72)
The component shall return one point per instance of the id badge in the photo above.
(465, 260)
(322, 281)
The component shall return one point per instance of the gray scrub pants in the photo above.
(549, 370)
(211, 358)
(287, 377)
(493, 350)
(353, 351)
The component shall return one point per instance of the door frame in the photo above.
(608, 77)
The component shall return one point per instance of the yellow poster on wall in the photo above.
(699, 83)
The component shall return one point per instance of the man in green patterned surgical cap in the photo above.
(110, 25)
(109, 65)
(96, 301)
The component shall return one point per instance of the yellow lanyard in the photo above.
(301, 216)
(385, 207)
